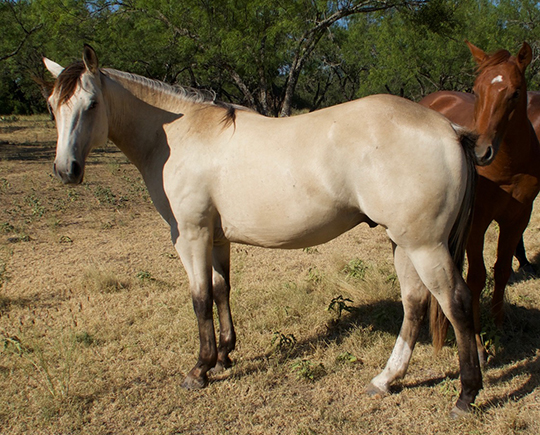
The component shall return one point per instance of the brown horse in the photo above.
(507, 187)
(533, 112)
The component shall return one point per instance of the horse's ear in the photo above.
(524, 56)
(90, 59)
(479, 55)
(53, 67)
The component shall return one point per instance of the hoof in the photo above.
(375, 392)
(191, 383)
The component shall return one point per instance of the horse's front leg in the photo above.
(509, 237)
(195, 249)
(221, 255)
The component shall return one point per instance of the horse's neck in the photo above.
(520, 135)
(519, 149)
(135, 126)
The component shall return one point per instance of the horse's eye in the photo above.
(93, 105)
(515, 95)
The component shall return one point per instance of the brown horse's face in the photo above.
(500, 90)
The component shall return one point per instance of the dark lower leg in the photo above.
(197, 377)
(462, 320)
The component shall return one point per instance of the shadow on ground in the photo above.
(518, 346)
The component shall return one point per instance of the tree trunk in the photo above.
(310, 38)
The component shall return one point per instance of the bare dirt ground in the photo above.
(97, 329)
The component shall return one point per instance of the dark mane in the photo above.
(494, 59)
(67, 81)
(230, 113)
(184, 93)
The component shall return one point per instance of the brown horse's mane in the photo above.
(67, 81)
(500, 56)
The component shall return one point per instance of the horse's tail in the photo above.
(457, 241)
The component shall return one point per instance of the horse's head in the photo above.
(500, 88)
(80, 112)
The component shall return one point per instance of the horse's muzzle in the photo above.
(487, 158)
(73, 175)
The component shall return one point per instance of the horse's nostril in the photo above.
(76, 170)
(489, 154)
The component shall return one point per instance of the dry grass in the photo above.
(98, 331)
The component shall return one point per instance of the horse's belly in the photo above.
(289, 232)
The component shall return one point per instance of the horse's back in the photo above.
(456, 106)
(306, 179)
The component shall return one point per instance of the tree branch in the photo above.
(311, 37)
(27, 34)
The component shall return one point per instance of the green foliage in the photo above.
(355, 268)
(347, 358)
(315, 276)
(144, 275)
(104, 195)
(56, 379)
(245, 50)
(308, 370)
(38, 210)
(340, 304)
(448, 388)
(285, 343)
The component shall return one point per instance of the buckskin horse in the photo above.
(218, 173)
(506, 189)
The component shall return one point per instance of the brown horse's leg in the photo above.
(524, 263)
(221, 292)
(476, 279)
(415, 298)
(509, 236)
(194, 248)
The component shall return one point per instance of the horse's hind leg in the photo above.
(415, 298)
(221, 291)
(476, 280)
(438, 272)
